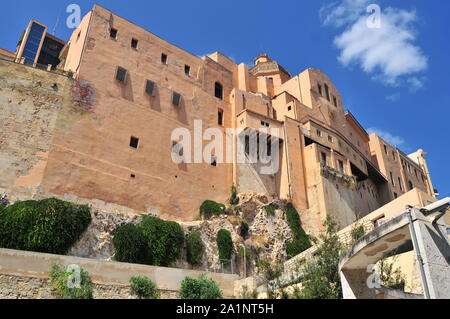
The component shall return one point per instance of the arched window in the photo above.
(218, 90)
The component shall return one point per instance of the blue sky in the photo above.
(394, 79)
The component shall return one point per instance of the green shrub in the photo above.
(201, 288)
(164, 240)
(195, 248)
(210, 208)
(248, 255)
(358, 231)
(225, 244)
(246, 294)
(144, 288)
(301, 240)
(60, 277)
(234, 199)
(270, 210)
(244, 229)
(130, 244)
(49, 225)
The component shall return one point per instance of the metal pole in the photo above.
(419, 256)
(245, 264)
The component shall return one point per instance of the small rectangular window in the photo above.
(323, 158)
(400, 184)
(392, 178)
(335, 101)
(134, 142)
(164, 58)
(319, 133)
(319, 87)
(121, 74)
(385, 149)
(113, 33)
(213, 160)
(330, 139)
(220, 117)
(289, 108)
(327, 92)
(341, 166)
(187, 69)
(134, 43)
(150, 87)
(176, 99)
(393, 155)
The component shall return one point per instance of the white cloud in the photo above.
(338, 14)
(393, 97)
(388, 53)
(396, 141)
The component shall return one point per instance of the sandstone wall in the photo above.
(23, 287)
(30, 100)
(23, 271)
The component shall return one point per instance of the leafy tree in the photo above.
(225, 244)
(321, 275)
(144, 288)
(202, 288)
(59, 279)
(195, 248)
(389, 276)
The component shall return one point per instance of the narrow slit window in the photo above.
(113, 33)
(319, 87)
(214, 161)
(220, 117)
(176, 99)
(121, 74)
(218, 90)
(341, 166)
(164, 58)
(134, 43)
(150, 87)
(134, 142)
(327, 92)
(323, 158)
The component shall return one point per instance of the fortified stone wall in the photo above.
(30, 102)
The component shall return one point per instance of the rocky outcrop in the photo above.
(266, 238)
(96, 241)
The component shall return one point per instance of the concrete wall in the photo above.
(36, 265)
